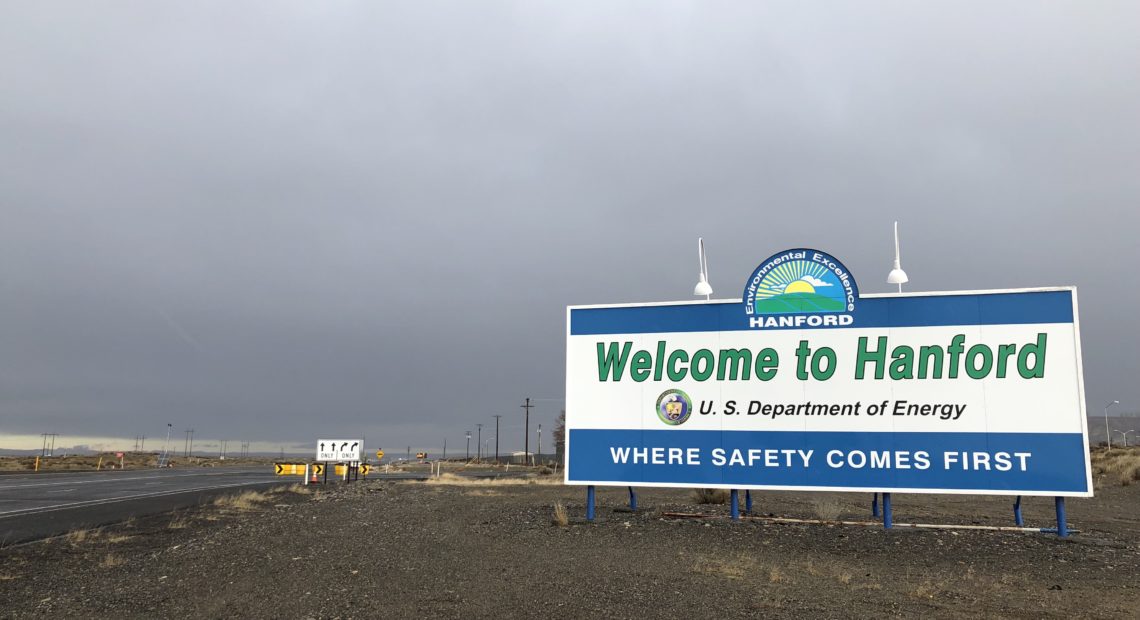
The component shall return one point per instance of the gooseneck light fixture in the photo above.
(703, 287)
(897, 275)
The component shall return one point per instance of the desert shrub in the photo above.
(710, 496)
(827, 508)
(560, 518)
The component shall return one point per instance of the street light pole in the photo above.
(1124, 434)
(165, 445)
(479, 442)
(468, 458)
(1108, 433)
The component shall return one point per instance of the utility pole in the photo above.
(49, 450)
(142, 443)
(444, 449)
(468, 458)
(479, 441)
(497, 439)
(538, 452)
(186, 445)
(526, 430)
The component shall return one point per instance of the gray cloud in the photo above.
(275, 220)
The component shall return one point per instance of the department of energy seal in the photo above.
(674, 407)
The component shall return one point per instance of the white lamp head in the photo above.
(897, 275)
(703, 287)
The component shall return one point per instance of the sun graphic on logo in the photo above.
(799, 286)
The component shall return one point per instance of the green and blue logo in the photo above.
(800, 282)
(674, 407)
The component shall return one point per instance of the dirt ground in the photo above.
(411, 549)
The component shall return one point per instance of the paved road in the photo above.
(37, 505)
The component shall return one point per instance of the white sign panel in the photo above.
(803, 384)
(340, 450)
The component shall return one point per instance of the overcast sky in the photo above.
(276, 220)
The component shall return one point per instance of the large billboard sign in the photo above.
(805, 384)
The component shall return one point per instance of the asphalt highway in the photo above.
(34, 506)
(39, 505)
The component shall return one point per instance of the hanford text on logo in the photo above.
(800, 288)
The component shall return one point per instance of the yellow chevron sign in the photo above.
(290, 469)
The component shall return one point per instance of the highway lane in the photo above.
(38, 505)
(34, 506)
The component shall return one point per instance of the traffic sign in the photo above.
(346, 450)
(379, 454)
(290, 469)
(421, 455)
(365, 468)
(318, 469)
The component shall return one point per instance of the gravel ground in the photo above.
(388, 549)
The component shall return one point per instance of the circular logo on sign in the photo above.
(674, 407)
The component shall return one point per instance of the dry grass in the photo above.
(1120, 464)
(112, 561)
(300, 489)
(844, 578)
(461, 481)
(78, 537)
(710, 496)
(246, 500)
(827, 507)
(482, 493)
(775, 575)
(735, 568)
(178, 523)
(115, 539)
(560, 518)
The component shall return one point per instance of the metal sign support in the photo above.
(734, 499)
(1062, 525)
(887, 520)
(632, 500)
(590, 503)
(1017, 513)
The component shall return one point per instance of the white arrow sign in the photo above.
(340, 450)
